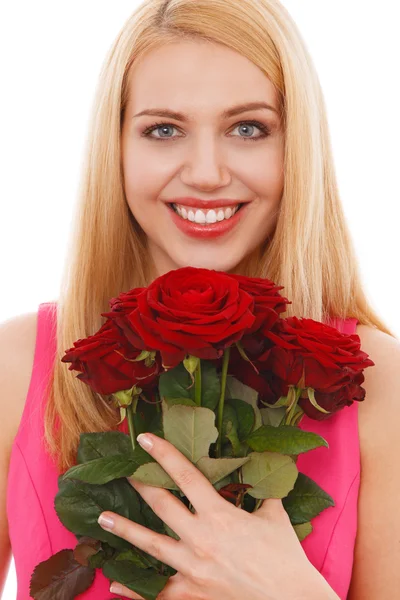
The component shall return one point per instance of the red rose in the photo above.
(334, 401)
(269, 386)
(186, 311)
(105, 360)
(268, 303)
(332, 362)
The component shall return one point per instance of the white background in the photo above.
(51, 53)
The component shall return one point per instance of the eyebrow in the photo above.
(230, 112)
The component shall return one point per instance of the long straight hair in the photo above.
(310, 251)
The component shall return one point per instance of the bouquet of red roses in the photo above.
(205, 360)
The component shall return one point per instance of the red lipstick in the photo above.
(209, 230)
(197, 203)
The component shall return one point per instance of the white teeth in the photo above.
(228, 213)
(200, 217)
(211, 216)
(205, 216)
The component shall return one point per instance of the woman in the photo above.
(244, 189)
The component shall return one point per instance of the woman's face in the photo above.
(204, 162)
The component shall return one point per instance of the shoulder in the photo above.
(379, 413)
(17, 349)
(382, 381)
(378, 533)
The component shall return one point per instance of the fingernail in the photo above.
(105, 521)
(145, 441)
(115, 588)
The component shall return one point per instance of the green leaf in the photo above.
(177, 383)
(111, 466)
(213, 468)
(248, 503)
(284, 440)
(237, 389)
(103, 470)
(97, 560)
(85, 548)
(210, 385)
(272, 416)
(306, 500)
(237, 447)
(145, 582)
(228, 450)
(245, 416)
(185, 401)
(271, 475)
(237, 422)
(105, 553)
(222, 482)
(153, 474)
(134, 556)
(79, 504)
(145, 417)
(216, 469)
(190, 429)
(303, 530)
(60, 577)
(156, 426)
(107, 443)
(229, 421)
(151, 520)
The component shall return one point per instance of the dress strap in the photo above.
(43, 361)
(347, 326)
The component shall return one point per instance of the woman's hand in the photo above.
(224, 552)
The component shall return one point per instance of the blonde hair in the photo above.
(310, 252)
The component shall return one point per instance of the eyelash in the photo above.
(263, 128)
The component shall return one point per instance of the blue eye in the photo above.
(265, 131)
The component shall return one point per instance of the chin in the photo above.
(209, 262)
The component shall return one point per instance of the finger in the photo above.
(118, 588)
(271, 509)
(163, 547)
(196, 487)
(168, 507)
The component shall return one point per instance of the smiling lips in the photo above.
(207, 223)
(210, 216)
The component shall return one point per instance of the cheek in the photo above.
(140, 176)
(263, 172)
(142, 185)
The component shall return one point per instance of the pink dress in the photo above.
(36, 532)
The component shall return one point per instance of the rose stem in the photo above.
(130, 411)
(224, 372)
(197, 384)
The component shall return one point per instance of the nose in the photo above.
(205, 167)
